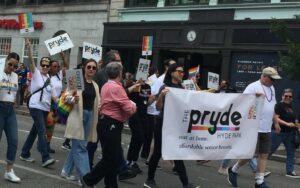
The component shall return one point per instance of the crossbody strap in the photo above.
(41, 89)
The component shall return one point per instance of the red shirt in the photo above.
(115, 102)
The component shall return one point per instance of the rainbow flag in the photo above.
(26, 22)
(147, 45)
(193, 72)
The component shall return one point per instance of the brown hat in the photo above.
(270, 71)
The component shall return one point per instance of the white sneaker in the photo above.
(223, 171)
(48, 163)
(11, 176)
(63, 174)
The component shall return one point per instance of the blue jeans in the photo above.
(8, 123)
(252, 164)
(286, 139)
(78, 155)
(38, 129)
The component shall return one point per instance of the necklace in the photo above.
(269, 100)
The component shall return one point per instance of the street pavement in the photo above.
(33, 175)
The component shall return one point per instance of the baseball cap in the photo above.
(270, 71)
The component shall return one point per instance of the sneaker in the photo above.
(262, 185)
(48, 163)
(292, 175)
(11, 176)
(63, 174)
(127, 175)
(232, 177)
(135, 168)
(150, 184)
(190, 185)
(223, 171)
(267, 173)
(27, 159)
(66, 146)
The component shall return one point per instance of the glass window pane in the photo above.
(242, 1)
(5, 45)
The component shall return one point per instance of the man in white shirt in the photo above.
(263, 86)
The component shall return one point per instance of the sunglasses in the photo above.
(180, 71)
(44, 65)
(12, 65)
(288, 96)
(91, 67)
(272, 79)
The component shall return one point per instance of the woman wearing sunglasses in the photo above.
(8, 120)
(81, 124)
(286, 118)
(172, 79)
(39, 106)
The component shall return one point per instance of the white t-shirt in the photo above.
(56, 82)
(8, 87)
(37, 82)
(266, 119)
(154, 91)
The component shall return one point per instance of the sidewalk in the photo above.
(278, 156)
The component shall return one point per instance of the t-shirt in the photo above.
(8, 87)
(154, 91)
(287, 114)
(23, 76)
(56, 82)
(37, 82)
(141, 99)
(88, 96)
(266, 119)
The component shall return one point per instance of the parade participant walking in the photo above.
(115, 109)
(39, 106)
(173, 79)
(56, 76)
(8, 120)
(263, 86)
(82, 123)
(286, 119)
(22, 74)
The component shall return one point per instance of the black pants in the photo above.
(148, 135)
(179, 165)
(136, 124)
(92, 146)
(110, 139)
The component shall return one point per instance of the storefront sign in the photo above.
(205, 126)
(14, 24)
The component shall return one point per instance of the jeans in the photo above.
(286, 139)
(38, 129)
(78, 155)
(252, 164)
(8, 123)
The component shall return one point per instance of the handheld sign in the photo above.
(188, 84)
(147, 45)
(2, 65)
(213, 80)
(74, 79)
(26, 23)
(91, 51)
(143, 69)
(59, 43)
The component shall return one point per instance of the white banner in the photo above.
(213, 81)
(59, 43)
(208, 126)
(74, 79)
(143, 69)
(91, 51)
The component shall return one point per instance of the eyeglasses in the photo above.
(91, 67)
(180, 71)
(44, 65)
(12, 65)
(288, 96)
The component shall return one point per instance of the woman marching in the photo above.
(8, 120)
(173, 79)
(81, 124)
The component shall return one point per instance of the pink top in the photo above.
(115, 102)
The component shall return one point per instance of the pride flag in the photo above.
(26, 22)
(147, 45)
(193, 72)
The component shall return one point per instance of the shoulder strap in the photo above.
(45, 85)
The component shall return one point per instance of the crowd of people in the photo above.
(106, 102)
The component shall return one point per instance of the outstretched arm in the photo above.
(32, 66)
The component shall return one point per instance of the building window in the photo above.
(5, 45)
(289, 0)
(185, 2)
(35, 48)
(242, 1)
(141, 3)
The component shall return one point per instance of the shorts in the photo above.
(264, 143)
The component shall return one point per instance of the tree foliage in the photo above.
(290, 61)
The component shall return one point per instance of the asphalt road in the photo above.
(33, 175)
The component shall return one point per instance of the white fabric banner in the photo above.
(209, 126)
(60, 43)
